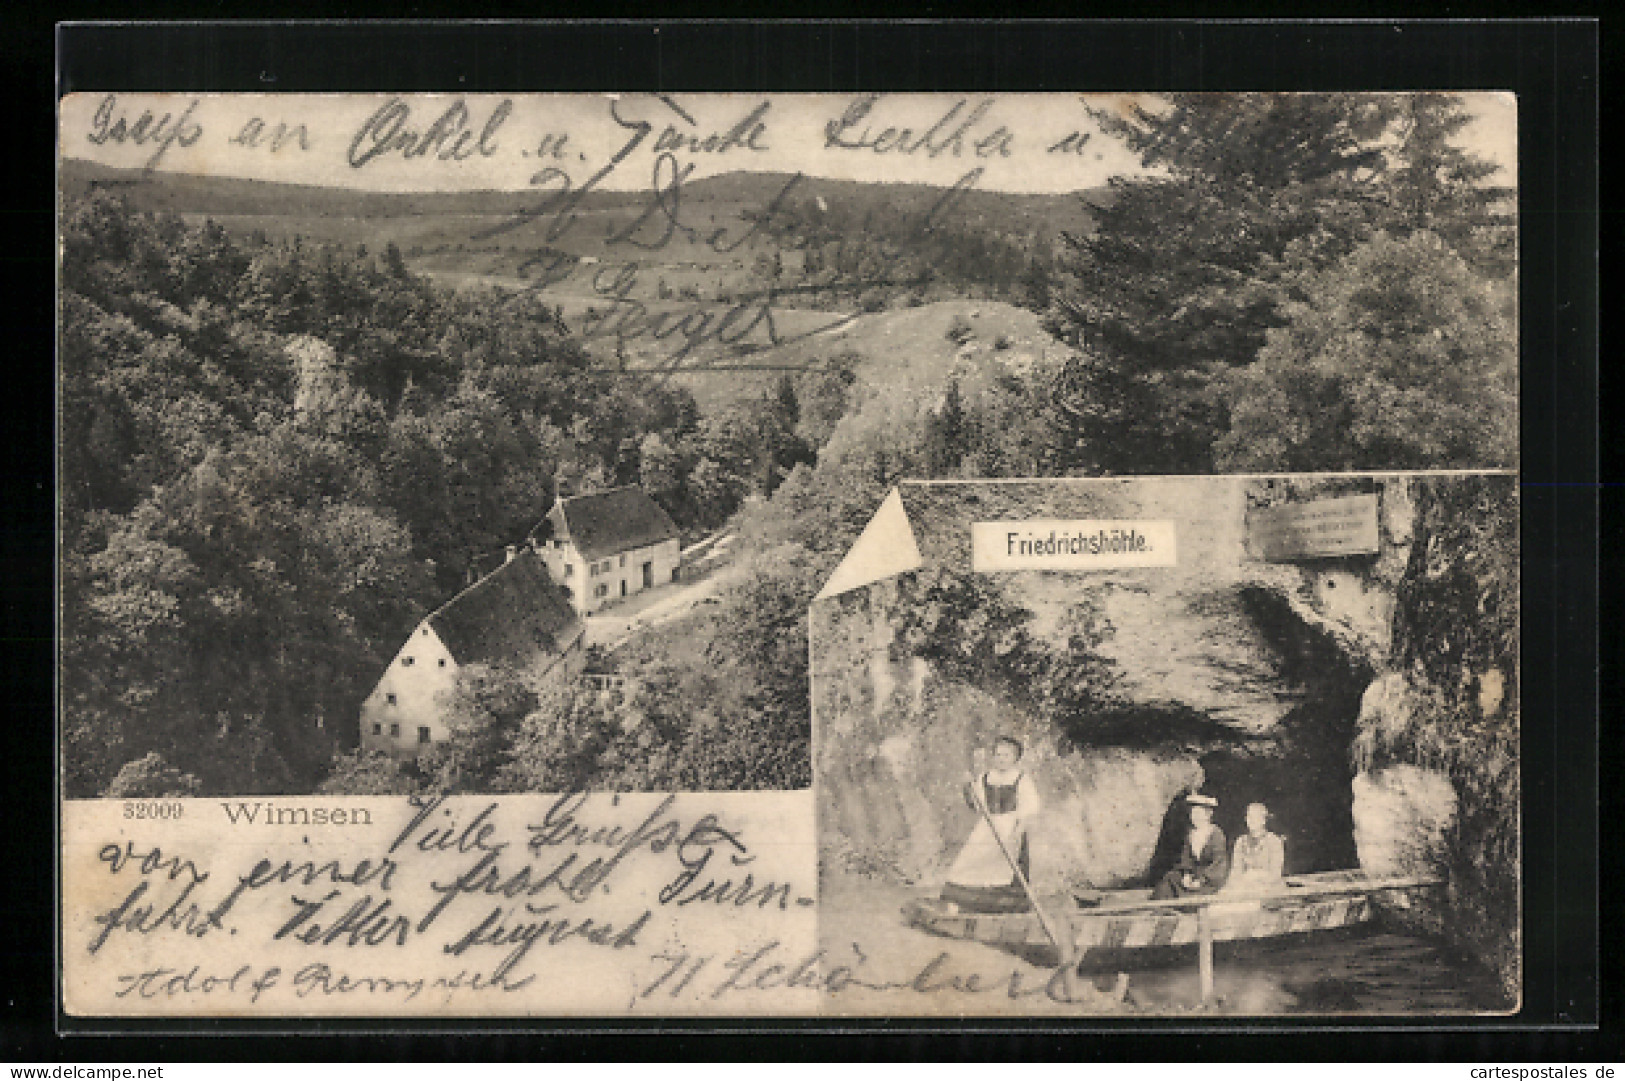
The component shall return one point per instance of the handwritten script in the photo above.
(653, 273)
(444, 898)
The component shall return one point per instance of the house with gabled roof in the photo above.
(605, 546)
(514, 616)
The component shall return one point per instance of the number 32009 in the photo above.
(153, 809)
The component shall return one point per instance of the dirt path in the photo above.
(616, 625)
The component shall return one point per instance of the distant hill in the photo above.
(908, 350)
(683, 278)
(183, 193)
(232, 197)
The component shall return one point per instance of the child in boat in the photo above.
(981, 878)
(1204, 860)
(1257, 859)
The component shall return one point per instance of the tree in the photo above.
(1191, 268)
(395, 263)
(946, 432)
(659, 468)
(1400, 356)
(368, 773)
(483, 717)
(1439, 187)
(150, 777)
(557, 745)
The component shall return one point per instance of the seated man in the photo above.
(1204, 861)
(1256, 861)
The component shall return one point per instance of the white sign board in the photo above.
(1076, 545)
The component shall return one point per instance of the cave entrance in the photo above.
(1309, 795)
(1306, 778)
(1304, 773)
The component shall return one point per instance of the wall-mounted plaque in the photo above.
(1345, 526)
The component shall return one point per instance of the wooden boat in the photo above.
(1126, 928)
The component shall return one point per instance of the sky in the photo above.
(1018, 142)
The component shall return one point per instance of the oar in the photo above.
(1063, 943)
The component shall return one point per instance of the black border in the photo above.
(1552, 65)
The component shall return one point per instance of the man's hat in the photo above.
(1201, 800)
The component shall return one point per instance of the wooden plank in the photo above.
(1299, 888)
(1204, 954)
(1316, 901)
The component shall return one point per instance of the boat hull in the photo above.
(1126, 928)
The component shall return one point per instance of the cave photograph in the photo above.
(1173, 745)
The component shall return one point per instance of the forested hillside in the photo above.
(275, 457)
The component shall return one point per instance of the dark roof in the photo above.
(604, 523)
(510, 616)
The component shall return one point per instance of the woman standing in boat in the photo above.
(981, 878)
(1204, 859)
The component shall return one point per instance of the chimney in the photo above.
(513, 550)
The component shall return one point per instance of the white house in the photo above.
(515, 615)
(605, 546)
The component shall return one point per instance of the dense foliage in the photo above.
(277, 457)
(1308, 281)
(971, 632)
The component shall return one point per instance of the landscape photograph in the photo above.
(485, 445)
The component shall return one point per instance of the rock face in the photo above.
(898, 743)
(1106, 811)
(1268, 656)
(1401, 816)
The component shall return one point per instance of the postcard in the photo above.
(754, 555)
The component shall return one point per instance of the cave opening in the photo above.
(1308, 782)
(1304, 773)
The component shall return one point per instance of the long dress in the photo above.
(1209, 865)
(1255, 865)
(980, 879)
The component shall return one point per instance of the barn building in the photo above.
(605, 546)
(513, 616)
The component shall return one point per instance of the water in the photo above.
(1371, 971)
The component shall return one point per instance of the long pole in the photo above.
(1063, 943)
(1204, 953)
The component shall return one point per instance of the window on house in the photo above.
(423, 733)
(676, 573)
(377, 729)
(569, 569)
(425, 632)
(442, 662)
(623, 560)
(407, 662)
(394, 729)
(390, 698)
